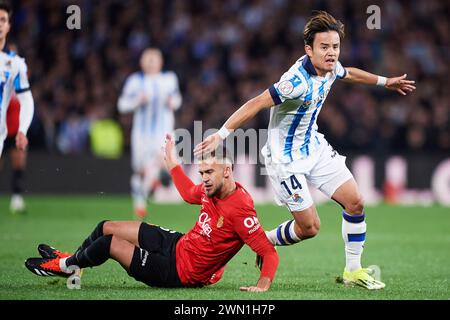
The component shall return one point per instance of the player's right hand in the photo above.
(208, 145)
(253, 289)
(169, 155)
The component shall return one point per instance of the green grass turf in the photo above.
(410, 244)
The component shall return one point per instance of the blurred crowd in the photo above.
(226, 52)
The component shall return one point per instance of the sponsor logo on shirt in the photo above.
(252, 223)
(204, 220)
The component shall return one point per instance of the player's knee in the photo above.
(108, 227)
(310, 230)
(355, 206)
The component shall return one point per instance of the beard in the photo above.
(214, 191)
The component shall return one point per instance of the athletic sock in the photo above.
(94, 255)
(138, 192)
(284, 234)
(97, 233)
(354, 235)
(17, 181)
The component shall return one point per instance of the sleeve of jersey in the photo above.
(190, 192)
(129, 98)
(290, 87)
(340, 71)
(21, 83)
(252, 233)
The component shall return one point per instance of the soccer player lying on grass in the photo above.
(163, 258)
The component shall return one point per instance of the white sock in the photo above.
(137, 191)
(63, 266)
(354, 235)
(284, 234)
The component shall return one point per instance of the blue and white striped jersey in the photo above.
(156, 117)
(298, 97)
(13, 77)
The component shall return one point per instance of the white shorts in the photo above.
(325, 170)
(146, 153)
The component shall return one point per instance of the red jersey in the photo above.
(12, 116)
(222, 228)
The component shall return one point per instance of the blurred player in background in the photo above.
(164, 258)
(13, 77)
(18, 156)
(153, 96)
(296, 153)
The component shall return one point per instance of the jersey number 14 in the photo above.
(294, 184)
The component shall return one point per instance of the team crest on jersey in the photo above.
(286, 87)
(220, 222)
(297, 198)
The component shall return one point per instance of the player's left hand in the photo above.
(21, 141)
(400, 84)
(253, 289)
(170, 158)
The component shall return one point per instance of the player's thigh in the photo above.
(122, 251)
(154, 269)
(126, 230)
(157, 239)
(330, 172)
(349, 197)
(289, 186)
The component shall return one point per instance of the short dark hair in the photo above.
(221, 154)
(6, 7)
(321, 21)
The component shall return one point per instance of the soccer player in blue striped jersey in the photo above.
(13, 77)
(296, 153)
(153, 96)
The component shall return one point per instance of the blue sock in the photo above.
(284, 234)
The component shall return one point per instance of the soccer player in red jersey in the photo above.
(165, 258)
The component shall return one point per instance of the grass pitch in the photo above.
(411, 245)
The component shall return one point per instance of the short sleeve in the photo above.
(21, 83)
(291, 86)
(340, 71)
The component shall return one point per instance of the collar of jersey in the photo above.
(307, 64)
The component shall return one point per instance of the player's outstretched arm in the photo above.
(259, 243)
(237, 119)
(399, 84)
(190, 192)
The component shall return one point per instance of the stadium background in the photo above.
(225, 52)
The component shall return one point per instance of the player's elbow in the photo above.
(188, 198)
